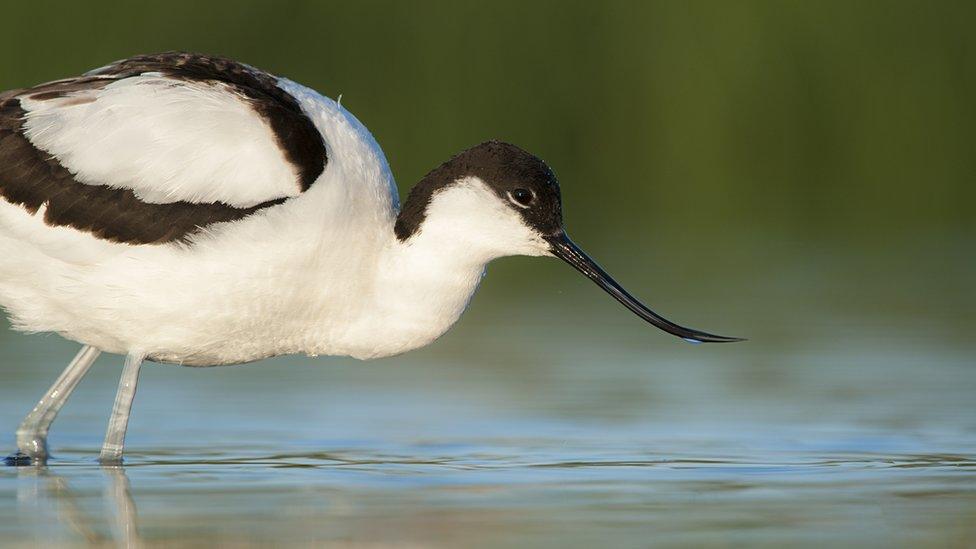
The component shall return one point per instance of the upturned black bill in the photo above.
(565, 249)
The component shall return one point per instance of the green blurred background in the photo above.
(800, 173)
(800, 121)
(774, 132)
(733, 145)
(758, 168)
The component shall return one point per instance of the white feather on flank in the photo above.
(168, 140)
(64, 244)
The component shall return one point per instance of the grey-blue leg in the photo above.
(32, 433)
(115, 435)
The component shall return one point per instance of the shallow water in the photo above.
(849, 424)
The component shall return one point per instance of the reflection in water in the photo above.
(68, 510)
(507, 436)
(118, 498)
(514, 492)
(50, 492)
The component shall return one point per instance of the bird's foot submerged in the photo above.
(31, 449)
(20, 459)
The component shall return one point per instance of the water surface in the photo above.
(554, 420)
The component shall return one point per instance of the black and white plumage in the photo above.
(195, 210)
(152, 148)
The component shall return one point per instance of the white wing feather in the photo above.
(168, 140)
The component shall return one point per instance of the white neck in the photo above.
(425, 282)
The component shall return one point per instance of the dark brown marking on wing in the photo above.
(32, 178)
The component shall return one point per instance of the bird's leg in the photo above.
(115, 436)
(32, 433)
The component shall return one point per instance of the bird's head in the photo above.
(499, 200)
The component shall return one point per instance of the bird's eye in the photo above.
(522, 197)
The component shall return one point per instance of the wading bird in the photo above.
(190, 209)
